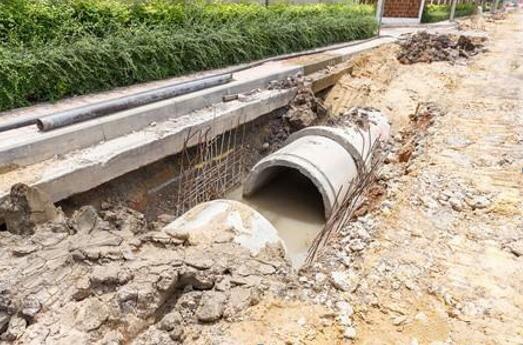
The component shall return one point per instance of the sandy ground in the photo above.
(445, 265)
(454, 274)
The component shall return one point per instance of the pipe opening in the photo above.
(292, 203)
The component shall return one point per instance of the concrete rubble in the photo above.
(110, 277)
(427, 47)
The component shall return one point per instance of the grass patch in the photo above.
(438, 13)
(50, 49)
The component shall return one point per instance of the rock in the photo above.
(30, 307)
(176, 333)
(240, 299)
(197, 279)
(344, 281)
(457, 205)
(345, 308)
(189, 301)
(24, 250)
(170, 321)
(399, 320)
(349, 333)
(108, 275)
(478, 202)
(211, 306)
(356, 245)
(15, 328)
(26, 207)
(91, 314)
(112, 338)
(167, 280)
(224, 284)
(198, 261)
(86, 220)
(4, 321)
(516, 247)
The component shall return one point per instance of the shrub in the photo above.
(438, 13)
(60, 48)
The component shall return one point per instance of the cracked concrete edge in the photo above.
(85, 169)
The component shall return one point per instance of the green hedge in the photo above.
(438, 13)
(51, 49)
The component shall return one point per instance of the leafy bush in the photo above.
(50, 49)
(438, 13)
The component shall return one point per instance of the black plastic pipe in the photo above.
(89, 112)
(16, 123)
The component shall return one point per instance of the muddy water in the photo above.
(294, 206)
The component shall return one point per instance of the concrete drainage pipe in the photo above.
(224, 220)
(329, 157)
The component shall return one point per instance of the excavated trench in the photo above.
(293, 181)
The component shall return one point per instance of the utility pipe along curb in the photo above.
(328, 157)
(13, 124)
(89, 112)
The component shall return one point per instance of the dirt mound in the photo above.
(426, 47)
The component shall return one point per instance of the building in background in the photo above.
(402, 12)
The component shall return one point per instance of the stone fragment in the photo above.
(197, 279)
(25, 208)
(198, 261)
(91, 314)
(349, 333)
(516, 247)
(457, 204)
(240, 299)
(340, 280)
(108, 275)
(86, 220)
(4, 321)
(170, 321)
(30, 307)
(15, 328)
(211, 306)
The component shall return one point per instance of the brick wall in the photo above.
(402, 8)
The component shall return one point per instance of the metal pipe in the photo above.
(13, 124)
(89, 112)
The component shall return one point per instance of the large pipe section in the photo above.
(89, 112)
(225, 220)
(329, 157)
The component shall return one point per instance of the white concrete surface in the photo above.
(220, 220)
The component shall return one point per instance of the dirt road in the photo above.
(446, 266)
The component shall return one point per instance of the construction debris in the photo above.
(427, 47)
(305, 110)
(108, 277)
